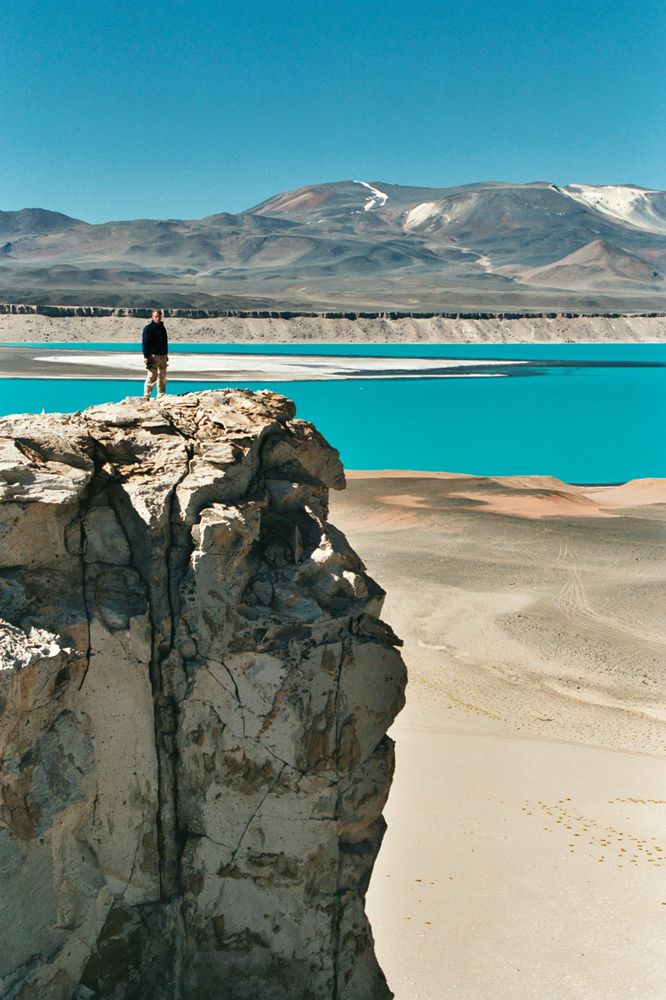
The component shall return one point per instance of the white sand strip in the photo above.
(277, 366)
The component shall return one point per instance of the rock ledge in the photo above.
(195, 688)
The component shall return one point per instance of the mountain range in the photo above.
(359, 245)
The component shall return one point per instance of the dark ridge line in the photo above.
(22, 309)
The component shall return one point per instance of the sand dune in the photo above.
(521, 496)
(636, 493)
(527, 823)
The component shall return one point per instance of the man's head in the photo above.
(157, 315)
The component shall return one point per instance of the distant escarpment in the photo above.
(195, 688)
(99, 312)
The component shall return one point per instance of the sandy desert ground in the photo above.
(325, 330)
(526, 847)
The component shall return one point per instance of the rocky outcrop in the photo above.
(195, 689)
(70, 311)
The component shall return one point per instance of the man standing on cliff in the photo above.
(155, 354)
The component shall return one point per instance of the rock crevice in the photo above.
(195, 689)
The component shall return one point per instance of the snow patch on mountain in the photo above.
(632, 205)
(377, 200)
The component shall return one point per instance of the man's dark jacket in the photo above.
(154, 339)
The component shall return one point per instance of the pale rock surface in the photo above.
(195, 688)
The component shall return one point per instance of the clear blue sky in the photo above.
(121, 109)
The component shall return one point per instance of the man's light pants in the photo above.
(157, 372)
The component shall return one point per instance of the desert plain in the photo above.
(526, 844)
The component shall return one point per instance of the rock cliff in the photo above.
(195, 688)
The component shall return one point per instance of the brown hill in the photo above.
(596, 265)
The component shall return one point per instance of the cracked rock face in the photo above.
(195, 688)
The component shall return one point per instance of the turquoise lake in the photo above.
(584, 424)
